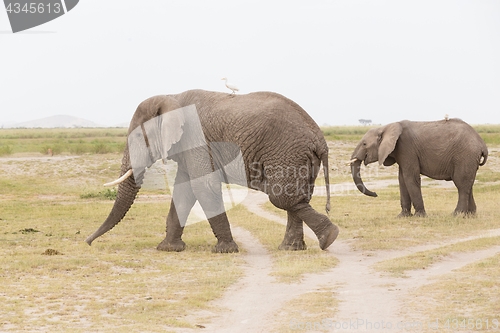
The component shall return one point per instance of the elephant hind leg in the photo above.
(472, 204)
(324, 229)
(463, 202)
(464, 181)
(294, 235)
(222, 231)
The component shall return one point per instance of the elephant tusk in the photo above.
(351, 161)
(119, 180)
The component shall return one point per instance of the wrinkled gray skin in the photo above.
(447, 150)
(272, 132)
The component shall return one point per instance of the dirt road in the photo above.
(368, 299)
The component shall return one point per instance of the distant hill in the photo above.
(60, 121)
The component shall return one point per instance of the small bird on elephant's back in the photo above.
(448, 149)
(230, 86)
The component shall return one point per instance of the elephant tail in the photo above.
(484, 154)
(324, 161)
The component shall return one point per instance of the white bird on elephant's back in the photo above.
(230, 86)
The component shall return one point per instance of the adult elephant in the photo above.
(448, 150)
(261, 140)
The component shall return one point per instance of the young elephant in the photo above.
(260, 140)
(447, 149)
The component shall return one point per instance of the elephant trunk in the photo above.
(356, 176)
(127, 191)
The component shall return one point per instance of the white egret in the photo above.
(230, 86)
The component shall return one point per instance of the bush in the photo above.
(5, 150)
(106, 194)
(100, 148)
(121, 147)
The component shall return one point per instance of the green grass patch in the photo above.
(5, 150)
(75, 141)
(487, 176)
(108, 194)
(489, 133)
(344, 133)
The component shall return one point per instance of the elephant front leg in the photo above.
(209, 194)
(413, 185)
(294, 235)
(183, 200)
(173, 241)
(404, 196)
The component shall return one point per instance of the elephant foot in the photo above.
(225, 247)
(421, 213)
(405, 213)
(464, 214)
(294, 246)
(328, 236)
(177, 246)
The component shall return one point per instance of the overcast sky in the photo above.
(340, 60)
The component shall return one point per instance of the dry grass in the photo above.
(371, 223)
(310, 311)
(471, 294)
(423, 259)
(120, 281)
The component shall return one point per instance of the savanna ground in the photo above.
(380, 270)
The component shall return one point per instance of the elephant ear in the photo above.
(389, 136)
(389, 161)
(164, 130)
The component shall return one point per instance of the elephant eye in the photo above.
(364, 144)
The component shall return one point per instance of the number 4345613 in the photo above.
(472, 324)
(33, 8)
